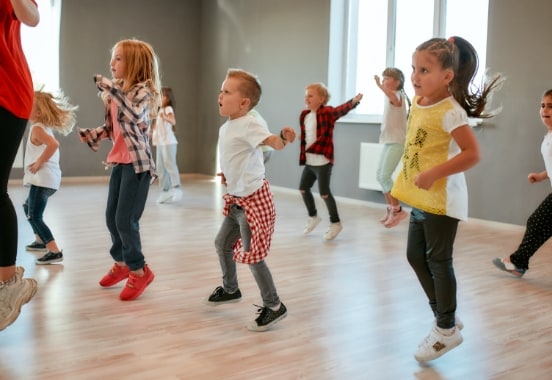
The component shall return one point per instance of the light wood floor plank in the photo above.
(356, 310)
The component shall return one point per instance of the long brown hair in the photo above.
(460, 56)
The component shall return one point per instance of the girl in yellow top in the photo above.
(439, 147)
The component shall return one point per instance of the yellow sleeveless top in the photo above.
(429, 143)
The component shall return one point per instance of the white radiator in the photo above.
(369, 159)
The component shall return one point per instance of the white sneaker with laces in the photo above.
(333, 231)
(14, 294)
(437, 344)
(312, 222)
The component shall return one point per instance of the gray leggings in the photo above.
(233, 227)
(429, 252)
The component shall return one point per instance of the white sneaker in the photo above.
(436, 344)
(14, 295)
(164, 197)
(333, 231)
(312, 222)
(176, 193)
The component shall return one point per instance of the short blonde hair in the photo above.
(249, 86)
(321, 89)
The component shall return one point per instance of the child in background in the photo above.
(539, 224)
(131, 100)
(392, 134)
(440, 146)
(164, 139)
(42, 172)
(317, 153)
(249, 214)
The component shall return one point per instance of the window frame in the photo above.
(343, 55)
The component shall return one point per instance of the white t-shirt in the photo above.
(546, 151)
(310, 138)
(49, 174)
(241, 160)
(163, 133)
(393, 123)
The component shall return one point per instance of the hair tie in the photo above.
(451, 40)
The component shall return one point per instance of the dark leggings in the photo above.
(323, 174)
(537, 232)
(429, 252)
(13, 129)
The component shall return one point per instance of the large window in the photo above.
(369, 35)
(41, 45)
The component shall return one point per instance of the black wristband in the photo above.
(282, 136)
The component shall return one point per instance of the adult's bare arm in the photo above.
(26, 12)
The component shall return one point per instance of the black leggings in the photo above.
(537, 232)
(13, 129)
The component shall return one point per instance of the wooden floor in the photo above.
(356, 310)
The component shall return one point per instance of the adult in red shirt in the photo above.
(16, 102)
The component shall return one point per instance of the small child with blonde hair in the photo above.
(49, 114)
(317, 124)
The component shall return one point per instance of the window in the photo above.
(41, 45)
(368, 35)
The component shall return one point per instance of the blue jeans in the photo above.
(429, 252)
(34, 208)
(233, 227)
(323, 174)
(126, 201)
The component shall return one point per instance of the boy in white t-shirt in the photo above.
(246, 232)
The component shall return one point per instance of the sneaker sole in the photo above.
(49, 261)
(255, 328)
(36, 249)
(440, 353)
(206, 301)
(12, 317)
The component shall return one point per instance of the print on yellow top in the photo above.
(427, 145)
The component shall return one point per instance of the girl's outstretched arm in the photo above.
(26, 11)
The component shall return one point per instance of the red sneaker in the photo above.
(115, 275)
(136, 285)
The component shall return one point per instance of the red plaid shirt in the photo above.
(261, 216)
(326, 116)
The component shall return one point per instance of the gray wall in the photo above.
(285, 43)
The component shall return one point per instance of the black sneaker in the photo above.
(267, 317)
(219, 297)
(36, 247)
(50, 257)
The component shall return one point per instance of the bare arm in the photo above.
(278, 142)
(391, 95)
(40, 137)
(168, 117)
(469, 156)
(26, 12)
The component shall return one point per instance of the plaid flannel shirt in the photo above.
(133, 117)
(261, 216)
(326, 116)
